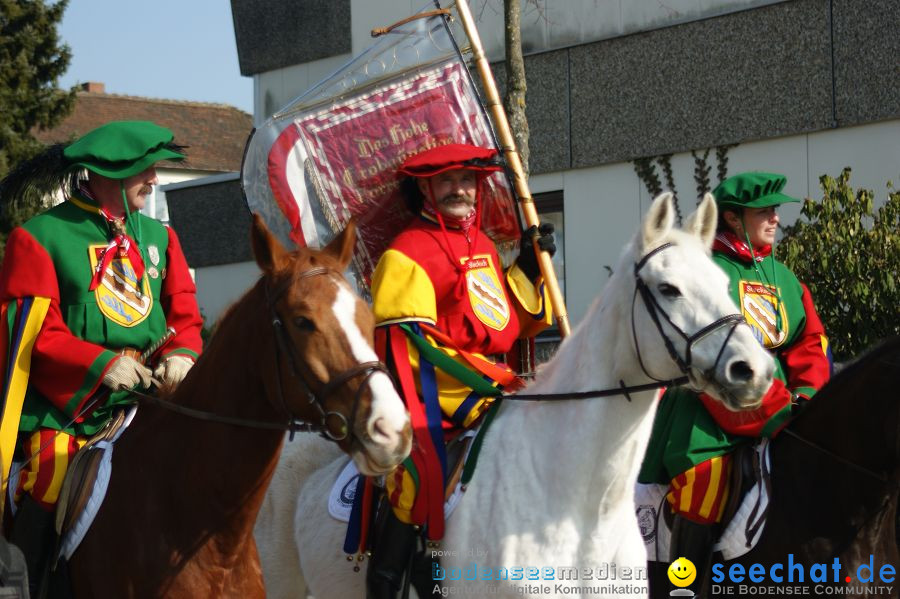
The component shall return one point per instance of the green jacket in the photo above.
(691, 428)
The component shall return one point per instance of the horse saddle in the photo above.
(84, 486)
(745, 513)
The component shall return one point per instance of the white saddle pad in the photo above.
(343, 491)
(650, 502)
(76, 534)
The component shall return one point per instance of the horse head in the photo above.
(683, 319)
(324, 369)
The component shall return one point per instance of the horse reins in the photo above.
(684, 364)
(879, 477)
(622, 389)
(315, 398)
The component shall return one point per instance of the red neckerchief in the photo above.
(123, 244)
(729, 243)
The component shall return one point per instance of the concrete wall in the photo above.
(674, 76)
(280, 75)
(213, 224)
(779, 70)
(157, 204)
(603, 205)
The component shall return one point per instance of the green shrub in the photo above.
(849, 257)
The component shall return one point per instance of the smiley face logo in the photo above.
(682, 572)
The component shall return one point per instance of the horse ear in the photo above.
(659, 220)
(268, 251)
(703, 222)
(341, 247)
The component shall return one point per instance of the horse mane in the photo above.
(584, 341)
(244, 323)
(883, 348)
(238, 325)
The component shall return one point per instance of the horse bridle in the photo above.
(684, 364)
(315, 398)
(655, 310)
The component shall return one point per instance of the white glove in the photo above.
(125, 373)
(171, 370)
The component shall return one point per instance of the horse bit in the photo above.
(315, 398)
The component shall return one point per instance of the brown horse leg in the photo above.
(249, 573)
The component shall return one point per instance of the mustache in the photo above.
(454, 198)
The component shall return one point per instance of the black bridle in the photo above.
(316, 398)
(685, 364)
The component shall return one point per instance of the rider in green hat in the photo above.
(693, 435)
(85, 287)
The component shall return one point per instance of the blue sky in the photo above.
(173, 49)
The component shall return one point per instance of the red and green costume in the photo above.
(692, 433)
(51, 261)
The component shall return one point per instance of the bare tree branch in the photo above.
(514, 99)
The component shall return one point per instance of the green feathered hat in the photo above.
(117, 150)
(121, 149)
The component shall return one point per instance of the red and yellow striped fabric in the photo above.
(701, 493)
(42, 477)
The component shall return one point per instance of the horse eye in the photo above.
(669, 291)
(301, 322)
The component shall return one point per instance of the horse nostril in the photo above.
(380, 431)
(740, 371)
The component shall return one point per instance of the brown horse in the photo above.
(835, 482)
(178, 516)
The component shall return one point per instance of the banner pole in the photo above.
(515, 164)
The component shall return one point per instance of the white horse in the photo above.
(554, 484)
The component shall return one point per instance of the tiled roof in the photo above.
(214, 133)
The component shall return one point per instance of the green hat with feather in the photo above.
(121, 149)
(117, 150)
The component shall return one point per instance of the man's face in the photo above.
(453, 192)
(137, 188)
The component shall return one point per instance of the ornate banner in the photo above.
(332, 154)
